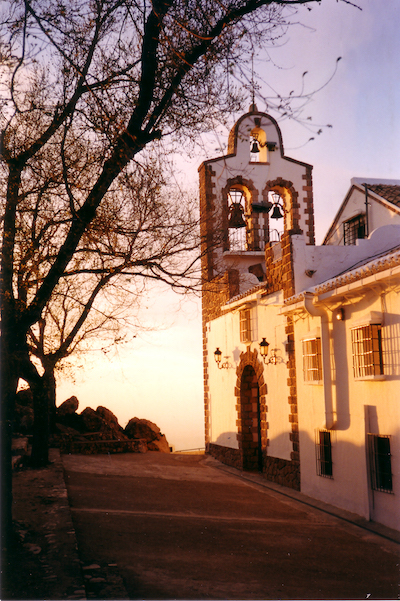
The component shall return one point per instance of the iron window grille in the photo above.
(367, 351)
(380, 464)
(353, 229)
(245, 325)
(323, 447)
(312, 362)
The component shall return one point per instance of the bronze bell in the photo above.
(236, 217)
(254, 147)
(277, 212)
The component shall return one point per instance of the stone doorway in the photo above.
(251, 421)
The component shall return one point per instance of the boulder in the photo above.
(106, 429)
(159, 444)
(92, 421)
(147, 430)
(107, 415)
(142, 428)
(69, 406)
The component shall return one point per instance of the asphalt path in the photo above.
(178, 527)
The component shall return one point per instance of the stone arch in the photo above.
(290, 197)
(250, 392)
(254, 229)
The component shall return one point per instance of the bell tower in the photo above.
(251, 201)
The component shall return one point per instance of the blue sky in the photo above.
(159, 376)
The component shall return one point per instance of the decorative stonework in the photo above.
(289, 194)
(250, 391)
(232, 182)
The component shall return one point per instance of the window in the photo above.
(354, 229)
(324, 454)
(312, 364)
(380, 462)
(245, 325)
(367, 351)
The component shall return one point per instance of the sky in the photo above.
(158, 376)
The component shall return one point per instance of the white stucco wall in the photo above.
(326, 262)
(356, 402)
(224, 334)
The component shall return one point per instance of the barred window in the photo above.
(312, 364)
(353, 229)
(367, 350)
(245, 325)
(380, 462)
(323, 448)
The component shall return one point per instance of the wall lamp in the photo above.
(340, 315)
(218, 357)
(264, 353)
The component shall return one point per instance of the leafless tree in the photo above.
(88, 87)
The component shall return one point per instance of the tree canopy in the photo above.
(89, 88)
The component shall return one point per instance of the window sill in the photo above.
(315, 383)
(370, 378)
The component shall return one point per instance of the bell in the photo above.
(254, 147)
(236, 218)
(277, 213)
(261, 207)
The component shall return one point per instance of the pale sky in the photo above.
(159, 375)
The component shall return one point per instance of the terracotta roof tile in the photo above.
(390, 193)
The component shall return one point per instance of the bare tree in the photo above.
(87, 87)
(143, 230)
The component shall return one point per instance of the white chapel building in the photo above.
(301, 343)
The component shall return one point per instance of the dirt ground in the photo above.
(44, 562)
(159, 526)
(178, 527)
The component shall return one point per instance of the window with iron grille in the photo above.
(312, 364)
(380, 464)
(323, 448)
(367, 351)
(245, 325)
(353, 229)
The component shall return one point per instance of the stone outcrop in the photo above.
(91, 431)
(98, 431)
(69, 406)
(143, 428)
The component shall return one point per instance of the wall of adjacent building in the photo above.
(379, 213)
(361, 407)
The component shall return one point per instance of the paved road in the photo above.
(180, 528)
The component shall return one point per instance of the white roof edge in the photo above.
(377, 267)
(360, 181)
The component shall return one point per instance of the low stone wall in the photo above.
(281, 471)
(226, 455)
(94, 447)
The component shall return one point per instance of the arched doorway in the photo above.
(251, 420)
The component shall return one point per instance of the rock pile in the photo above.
(91, 431)
(95, 431)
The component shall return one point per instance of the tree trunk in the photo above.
(9, 383)
(43, 391)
